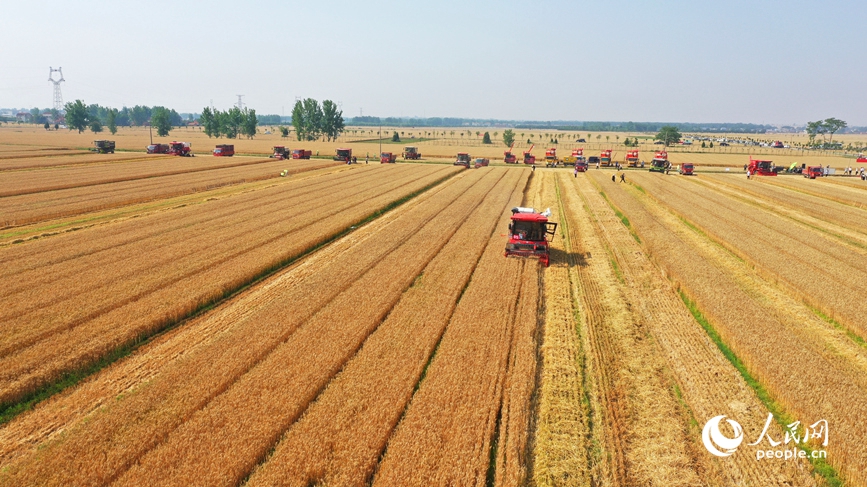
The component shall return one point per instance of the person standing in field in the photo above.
(613, 179)
(576, 170)
(623, 177)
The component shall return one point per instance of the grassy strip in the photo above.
(820, 465)
(855, 338)
(621, 216)
(9, 410)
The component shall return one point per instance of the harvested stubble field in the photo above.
(358, 325)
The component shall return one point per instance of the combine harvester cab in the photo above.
(632, 158)
(481, 162)
(224, 150)
(280, 153)
(528, 157)
(551, 157)
(687, 169)
(660, 162)
(183, 149)
(605, 157)
(760, 167)
(301, 154)
(528, 234)
(509, 157)
(103, 146)
(463, 159)
(387, 158)
(411, 153)
(813, 172)
(158, 149)
(344, 155)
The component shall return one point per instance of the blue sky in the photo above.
(738, 61)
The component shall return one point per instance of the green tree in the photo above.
(160, 121)
(209, 123)
(46, 126)
(36, 115)
(486, 139)
(95, 126)
(711, 144)
(668, 134)
(508, 137)
(332, 120)
(111, 119)
(249, 123)
(395, 137)
(832, 125)
(76, 116)
(284, 131)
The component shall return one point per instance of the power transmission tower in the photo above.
(240, 102)
(58, 97)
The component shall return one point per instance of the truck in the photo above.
(605, 157)
(632, 158)
(481, 162)
(224, 150)
(411, 153)
(551, 157)
(528, 157)
(158, 149)
(812, 172)
(759, 167)
(529, 233)
(344, 155)
(103, 146)
(463, 159)
(387, 158)
(301, 154)
(687, 169)
(183, 149)
(509, 157)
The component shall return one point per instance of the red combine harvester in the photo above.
(528, 234)
(224, 150)
(158, 149)
(529, 158)
(687, 169)
(344, 155)
(411, 153)
(660, 162)
(387, 158)
(508, 157)
(632, 158)
(301, 154)
(861, 158)
(759, 167)
(280, 153)
(812, 172)
(605, 157)
(180, 149)
(463, 159)
(551, 157)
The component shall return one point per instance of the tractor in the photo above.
(759, 167)
(103, 146)
(411, 153)
(158, 149)
(508, 157)
(301, 154)
(605, 157)
(387, 158)
(344, 155)
(463, 159)
(528, 157)
(687, 169)
(182, 149)
(528, 234)
(224, 150)
(632, 158)
(280, 153)
(551, 157)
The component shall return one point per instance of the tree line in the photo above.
(828, 127)
(313, 120)
(231, 123)
(80, 117)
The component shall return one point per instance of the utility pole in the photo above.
(240, 102)
(58, 97)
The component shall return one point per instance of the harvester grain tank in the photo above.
(158, 149)
(605, 157)
(528, 157)
(183, 149)
(551, 157)
(411, 153)
(280, 153)
(632, 158)
(529, 234)
(301, 153)
(224, 150)
(509, 157)
(344, 155)
(387, 158)
(760, 167)
(463, 159)
(660, 162)
(103, 146)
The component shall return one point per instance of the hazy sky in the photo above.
(776, 62)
